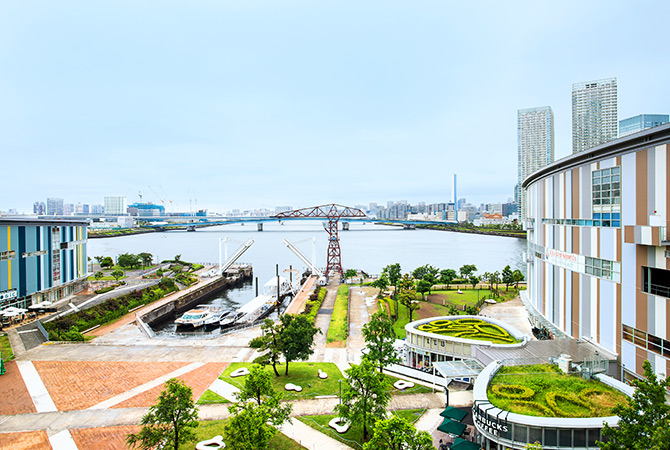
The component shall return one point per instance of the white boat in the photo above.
(200, 316)
(263, 304)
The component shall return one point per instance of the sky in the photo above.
(254, 104)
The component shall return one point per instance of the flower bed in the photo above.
(469, 329)
(542, 390)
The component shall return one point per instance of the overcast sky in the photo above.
(250, 104)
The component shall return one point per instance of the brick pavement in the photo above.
(298, 304)
(79, 385)
(13, 392)
(108, 438)
(199, 380)
(30, 440)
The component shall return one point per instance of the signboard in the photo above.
(570, 261)
(488, 424)
(8, 296)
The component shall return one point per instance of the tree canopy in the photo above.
(252, 425)
(467, 270)
(447, 276)
(296, 337)
(270, 343)
(170, 421)
(379, 337)
(128, 260)
(396, 433)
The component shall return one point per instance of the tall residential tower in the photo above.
(535, 128)
(594, 113)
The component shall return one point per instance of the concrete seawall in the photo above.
(199, 295)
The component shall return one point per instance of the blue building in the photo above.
(146, 210)
(41, 259)
(641, 122)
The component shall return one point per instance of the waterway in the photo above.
(367, 247)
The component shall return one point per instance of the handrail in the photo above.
(42, 330)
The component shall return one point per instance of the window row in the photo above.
(585, 222)
(647, 341)
(599, 267)
(6, 255)
(656, 281)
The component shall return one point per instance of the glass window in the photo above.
(535, 435)
(550, 437)
(593, 436)
(579, 437)
(565, 438)
(520, 433)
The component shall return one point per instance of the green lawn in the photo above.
(5, 348)
(210, 428)
(337, 331)
(417, 389)
(525, 389)
(354, 436)
(302, 374)
(211, 397)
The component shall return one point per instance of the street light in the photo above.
(340, 381)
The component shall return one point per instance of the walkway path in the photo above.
(298, 303)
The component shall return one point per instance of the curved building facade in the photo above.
(598, 247)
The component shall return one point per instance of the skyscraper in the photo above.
(594, 113)
(54, 206)
(535, 129)
(115, 206)
(641, 122)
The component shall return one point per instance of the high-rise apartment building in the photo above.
(641, 122)
(54, 206)
(535, 130)
(115, 206)
(594, 113)
(39, 208)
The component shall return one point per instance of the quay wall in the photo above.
(201, 294)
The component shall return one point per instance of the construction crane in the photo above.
(333, 213)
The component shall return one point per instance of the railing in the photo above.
(146, 329)
(42, 330)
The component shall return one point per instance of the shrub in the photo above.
(513, 391)
(105, 289)
(552, 401)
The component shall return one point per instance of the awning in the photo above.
(465, 368)
(462, 444)
(454, 413)
(452, 427)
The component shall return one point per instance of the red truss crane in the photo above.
(333, 213)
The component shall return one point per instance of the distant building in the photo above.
(146, 210)
(509, 209)
(641, 122)
(115, 206)
(594, 113)
(39, 208)
(460, 203)
(68, 209)
(41, 259)
(97, 209)
(535, 134)
(125, 222)
(54, 206)
(281, 209)
(82, 209)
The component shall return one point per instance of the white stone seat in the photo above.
(215, 443)
(239, 372)
(339, 424)
(323, 375)
(293, 387)
(402, 384)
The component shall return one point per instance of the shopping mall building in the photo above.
(598, 256)
(41, 259)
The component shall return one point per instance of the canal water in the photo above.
(367, 247)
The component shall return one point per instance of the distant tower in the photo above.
(453, 194)
(535, 128)
(594, 113)
(642, 122)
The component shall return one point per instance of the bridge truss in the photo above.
(333, 213)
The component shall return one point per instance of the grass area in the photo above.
(6, 348)
(337, 331)
(417, 389)
(210, 428)
(470, 329)
(354, 436)
(302, 374)
(542, 390)
(211, 397)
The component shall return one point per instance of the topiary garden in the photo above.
(469, 329)
(545, 391)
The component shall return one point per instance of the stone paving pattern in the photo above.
(31, 440)
(108, 438)
(13, 392)
(198, 379)
(80, 385)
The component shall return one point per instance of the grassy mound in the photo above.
(470, 329)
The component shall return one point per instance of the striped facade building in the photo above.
(41, 259)
(598, 247)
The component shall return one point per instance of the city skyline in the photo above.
(253, 105)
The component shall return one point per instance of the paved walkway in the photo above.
(298, 303)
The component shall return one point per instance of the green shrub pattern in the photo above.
(469, 329)
(553, 397)
(513, 391)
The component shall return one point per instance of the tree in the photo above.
(296, 337)
(424, 286)
(507, 276)
(421, 272)
(128, 260)
(270, 342)
(252, 425)
(474, 279)
(99, 259)
(98, 275)
(534, 446)
(365, 395)
(494, 279)
(350, 273)
(516, 277)
(117, 274)
(170, 421)
(394, 273)
(396, 433)
(381, 283)
(177, 258)
(447, 276)
(407, 295)
(146, 259)
(107, 261)
(467, 270)
(645, 415)
(379, 337)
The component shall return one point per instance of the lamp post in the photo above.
(340, 381)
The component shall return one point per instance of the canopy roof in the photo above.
(454, 413)
(459, 369)
(452, 427)
(462, 444)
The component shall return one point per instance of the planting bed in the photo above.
(470, 329)
(542, 390)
